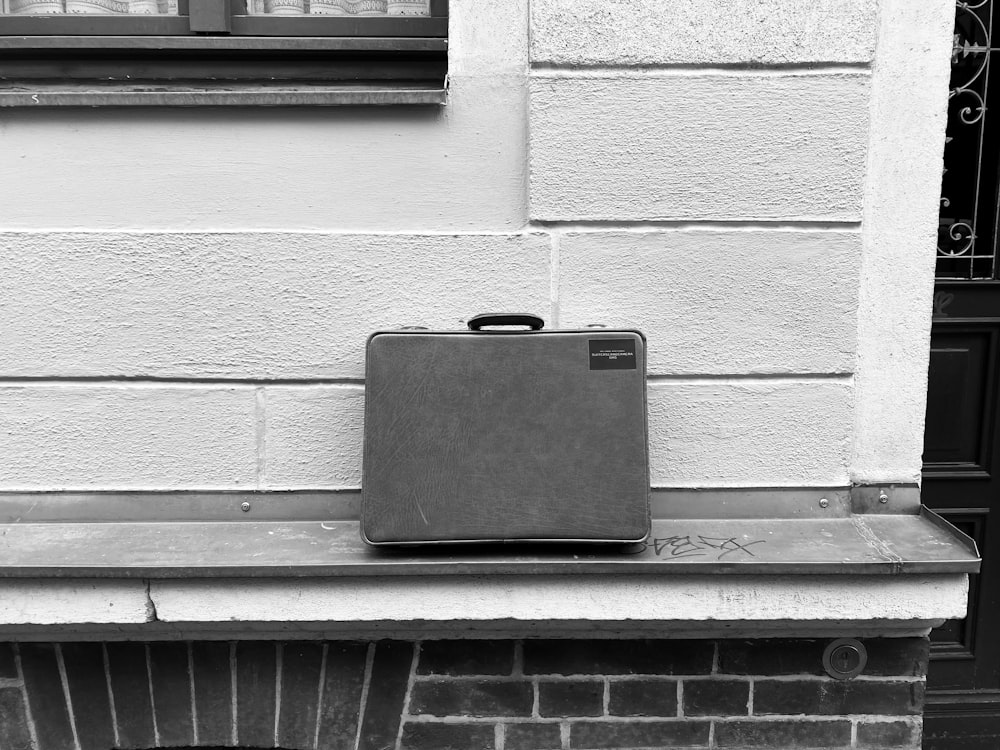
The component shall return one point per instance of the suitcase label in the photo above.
(612, 354)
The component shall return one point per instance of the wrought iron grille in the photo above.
(967, 236)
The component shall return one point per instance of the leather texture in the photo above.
(504, 436)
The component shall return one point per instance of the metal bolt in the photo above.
(883, 498)
(823, 502)
(245, 507)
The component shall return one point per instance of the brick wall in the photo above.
(461, 695)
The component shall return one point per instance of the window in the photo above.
(217, 52)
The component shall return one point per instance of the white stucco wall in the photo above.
(753, 185)
(902, 192)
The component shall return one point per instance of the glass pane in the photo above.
(355, 8)
(94, 7)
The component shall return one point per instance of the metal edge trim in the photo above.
(961, 536)
(250, 97)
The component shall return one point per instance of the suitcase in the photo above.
(505, 434)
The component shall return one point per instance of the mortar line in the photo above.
(279, 660)
(407, 695)
(319, 692)
(530, 227)
(554, 269)
(751, 377)
(172, 381)
(189, 383)
(152, 698)
(260, 426)
(546, 69)
(736, 225)
(365, 685)
(111, 692)
(24, 698)
(232, 693)
(64, 680)
(517, 665)
(194, 699)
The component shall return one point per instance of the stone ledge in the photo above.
(615, 605)
(868, 544)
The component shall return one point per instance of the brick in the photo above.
(88, 689)
(778, 734)
(130, 688)
(14, 722)
(301, 664)
(698, 164)
(676, 286)
(885, 734)
(255, 692)
(127, 437)
(433, 736)
(8, 667)
(472, 698)
(171, 681)
(715, 697)
(643, 698)
(897, 657)
(585, 735)
(466, 657)
(837, 697)
(743, 417)
(639, 32)
(571, 698)
(213, 691)
(43, 685)
(532, 737)
(659, 657)
(889, 657)
(342, 688)
(771, 657)
(386, 694)
(251, 304)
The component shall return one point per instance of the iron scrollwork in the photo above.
(958, 253)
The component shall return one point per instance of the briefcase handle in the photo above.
(505, 319)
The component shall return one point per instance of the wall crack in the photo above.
(151, 614)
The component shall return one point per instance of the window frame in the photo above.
(214, 53)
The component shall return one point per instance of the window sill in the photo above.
(199, 564)
(281, 534)
(215, 95)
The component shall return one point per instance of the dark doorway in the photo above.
(961, 443)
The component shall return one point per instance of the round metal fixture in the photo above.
(845, 658)
(245, 507)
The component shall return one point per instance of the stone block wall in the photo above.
(457, 695)
(186, 294)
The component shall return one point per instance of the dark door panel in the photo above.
(958, 431)
(961, 462)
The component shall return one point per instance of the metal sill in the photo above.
(260, 545)
(62, 95)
